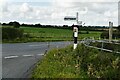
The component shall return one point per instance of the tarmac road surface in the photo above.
(18, 59)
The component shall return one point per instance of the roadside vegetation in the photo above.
(83, 62)
(11, 34)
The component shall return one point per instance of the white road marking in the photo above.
(9, 57)
(40, 54)
(35, 45)
(28, 55)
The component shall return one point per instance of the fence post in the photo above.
(102, 46)
(110, 31)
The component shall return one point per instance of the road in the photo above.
(18, 59)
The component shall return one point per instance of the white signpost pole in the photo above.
(75, 28)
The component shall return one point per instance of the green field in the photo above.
(32, 34)
(48, 33)
(84, 62)
(56, 34)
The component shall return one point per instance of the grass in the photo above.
(83, 62)
(57, 34)
(50, 34)
(95, 34)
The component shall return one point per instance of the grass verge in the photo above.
(83, 62)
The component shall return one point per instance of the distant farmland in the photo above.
(57, 34)
(33, 34)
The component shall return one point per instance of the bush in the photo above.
(16, 24)
(105, 35)
(9, 33)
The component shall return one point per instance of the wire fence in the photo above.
(102, 45)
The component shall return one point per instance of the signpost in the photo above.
(75, 27)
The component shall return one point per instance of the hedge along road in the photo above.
(18, 59)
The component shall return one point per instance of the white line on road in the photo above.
(34, 45)
(9, 57)
(40, 54)
(28, 55)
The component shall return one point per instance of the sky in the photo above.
(52, 12)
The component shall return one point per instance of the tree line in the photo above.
(16, 24)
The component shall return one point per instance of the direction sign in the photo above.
(70, 18)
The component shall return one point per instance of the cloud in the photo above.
(5, 8)
(92, 13)
(119, 13)
(2, 1)
(25, 8)
(108, 14)
(85, 0)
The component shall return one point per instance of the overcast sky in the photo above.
(91, 12)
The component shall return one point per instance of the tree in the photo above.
(4, 24)
(10, 23)
(16, 24)
(37, 25)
